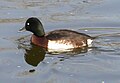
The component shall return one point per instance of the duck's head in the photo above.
(35, 26)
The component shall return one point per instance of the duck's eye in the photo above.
(28, 24)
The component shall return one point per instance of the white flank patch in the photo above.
(58, 46)
(89, 42)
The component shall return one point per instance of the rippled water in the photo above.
(21, 62)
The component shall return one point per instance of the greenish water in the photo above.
(21, 62)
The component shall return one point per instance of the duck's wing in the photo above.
(66, 34)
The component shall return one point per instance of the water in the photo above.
(22, 63)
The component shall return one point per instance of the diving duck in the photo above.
(58, 39)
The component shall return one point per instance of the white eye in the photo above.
(28, 23)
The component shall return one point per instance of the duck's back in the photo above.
(67, 38)
(63, 33)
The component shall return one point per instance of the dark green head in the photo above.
(35, 26)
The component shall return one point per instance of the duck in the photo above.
(62, 39)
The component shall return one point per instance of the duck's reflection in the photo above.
(73, 51)
(34, 55)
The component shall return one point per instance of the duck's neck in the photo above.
(40, 41)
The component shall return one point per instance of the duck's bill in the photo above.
(22, 29)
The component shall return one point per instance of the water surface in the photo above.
(21, 62)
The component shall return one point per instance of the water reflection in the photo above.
(74, 51)
(34, 55)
